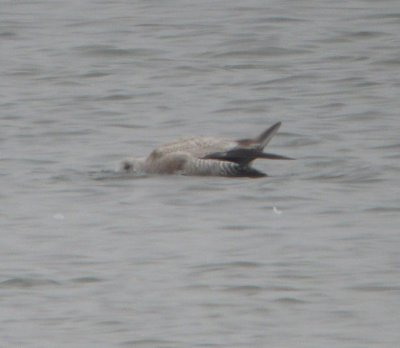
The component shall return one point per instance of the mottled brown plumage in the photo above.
(206, 156)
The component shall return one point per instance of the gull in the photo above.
(206, 156)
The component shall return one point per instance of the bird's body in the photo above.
(206, 156)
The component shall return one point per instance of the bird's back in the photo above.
(198, 147)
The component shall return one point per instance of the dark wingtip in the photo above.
(265, 137)
(273, 156)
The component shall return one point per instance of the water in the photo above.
(308, 257)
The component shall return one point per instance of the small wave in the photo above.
(23, 283)
(111, 51)
(86, 280)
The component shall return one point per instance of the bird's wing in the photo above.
(247, 150)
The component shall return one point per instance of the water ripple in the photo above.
(26, 283)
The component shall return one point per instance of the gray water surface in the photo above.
(307, 257)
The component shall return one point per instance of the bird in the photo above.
(207, 156)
